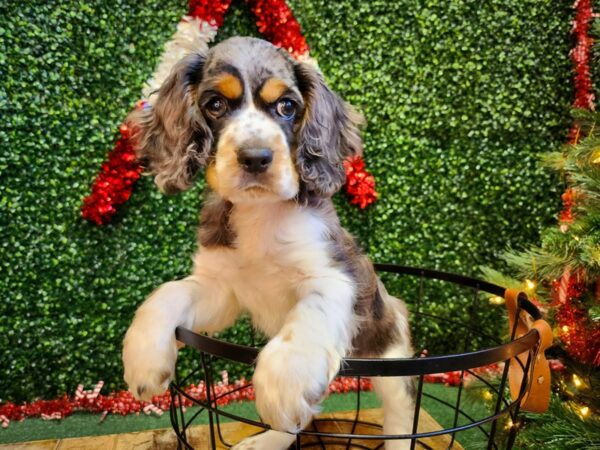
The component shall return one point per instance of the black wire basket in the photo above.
(497, 429)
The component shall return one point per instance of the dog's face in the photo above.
(266, 127)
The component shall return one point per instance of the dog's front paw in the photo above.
(148, 359)
(290, 380)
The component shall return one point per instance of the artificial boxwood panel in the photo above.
(460, 97)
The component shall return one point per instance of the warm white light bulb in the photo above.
(496, 300)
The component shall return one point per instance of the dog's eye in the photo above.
(216, 107)
(286, 108)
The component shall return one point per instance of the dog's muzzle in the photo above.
(255, 160)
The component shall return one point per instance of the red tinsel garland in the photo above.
(277, 23)
(114, 184)
(360, 184)
(455, 377)
(566, 216)
(123, 402)
(584, 96)
(212, 11)
(580, 336)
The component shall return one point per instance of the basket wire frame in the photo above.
(503, 408)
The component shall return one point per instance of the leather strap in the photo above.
(537, 398)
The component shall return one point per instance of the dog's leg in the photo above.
(398, 397)
(295, 367)
(269, 440)
(150, 348)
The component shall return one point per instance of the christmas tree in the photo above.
(563, 272)
(563, 275)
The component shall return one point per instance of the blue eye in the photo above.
(286, 108)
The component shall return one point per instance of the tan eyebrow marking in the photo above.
(272, 89)
(211, 177)
(230, 86)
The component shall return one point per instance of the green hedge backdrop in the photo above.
(460, 97)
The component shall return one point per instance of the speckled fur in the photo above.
(270, 243)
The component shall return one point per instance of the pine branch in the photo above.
(493, 276)
(561, 428)
(539, 264)
(553, 160)
(585, 120)
(587, 183)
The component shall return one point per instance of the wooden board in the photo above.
(199, 436)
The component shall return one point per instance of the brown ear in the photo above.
(329, 133)
(171, 137)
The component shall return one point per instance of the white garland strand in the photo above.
(192, 35)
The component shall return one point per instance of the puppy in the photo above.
(272, 138)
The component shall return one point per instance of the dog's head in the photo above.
(266, 127)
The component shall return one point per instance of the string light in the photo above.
(565, 328)
(584, 411)
(530, 285)
(487, 395)
(496, 300)
(577, 381)
(509, 424)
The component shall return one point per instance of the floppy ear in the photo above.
(329, 133)
(172, 139)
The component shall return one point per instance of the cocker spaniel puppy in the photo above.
(272, 138)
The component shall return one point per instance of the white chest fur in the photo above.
(277, 247)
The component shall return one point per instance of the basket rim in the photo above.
(371, 367)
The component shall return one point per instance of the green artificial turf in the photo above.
(83, 424)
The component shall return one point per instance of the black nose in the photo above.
(255, 160)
